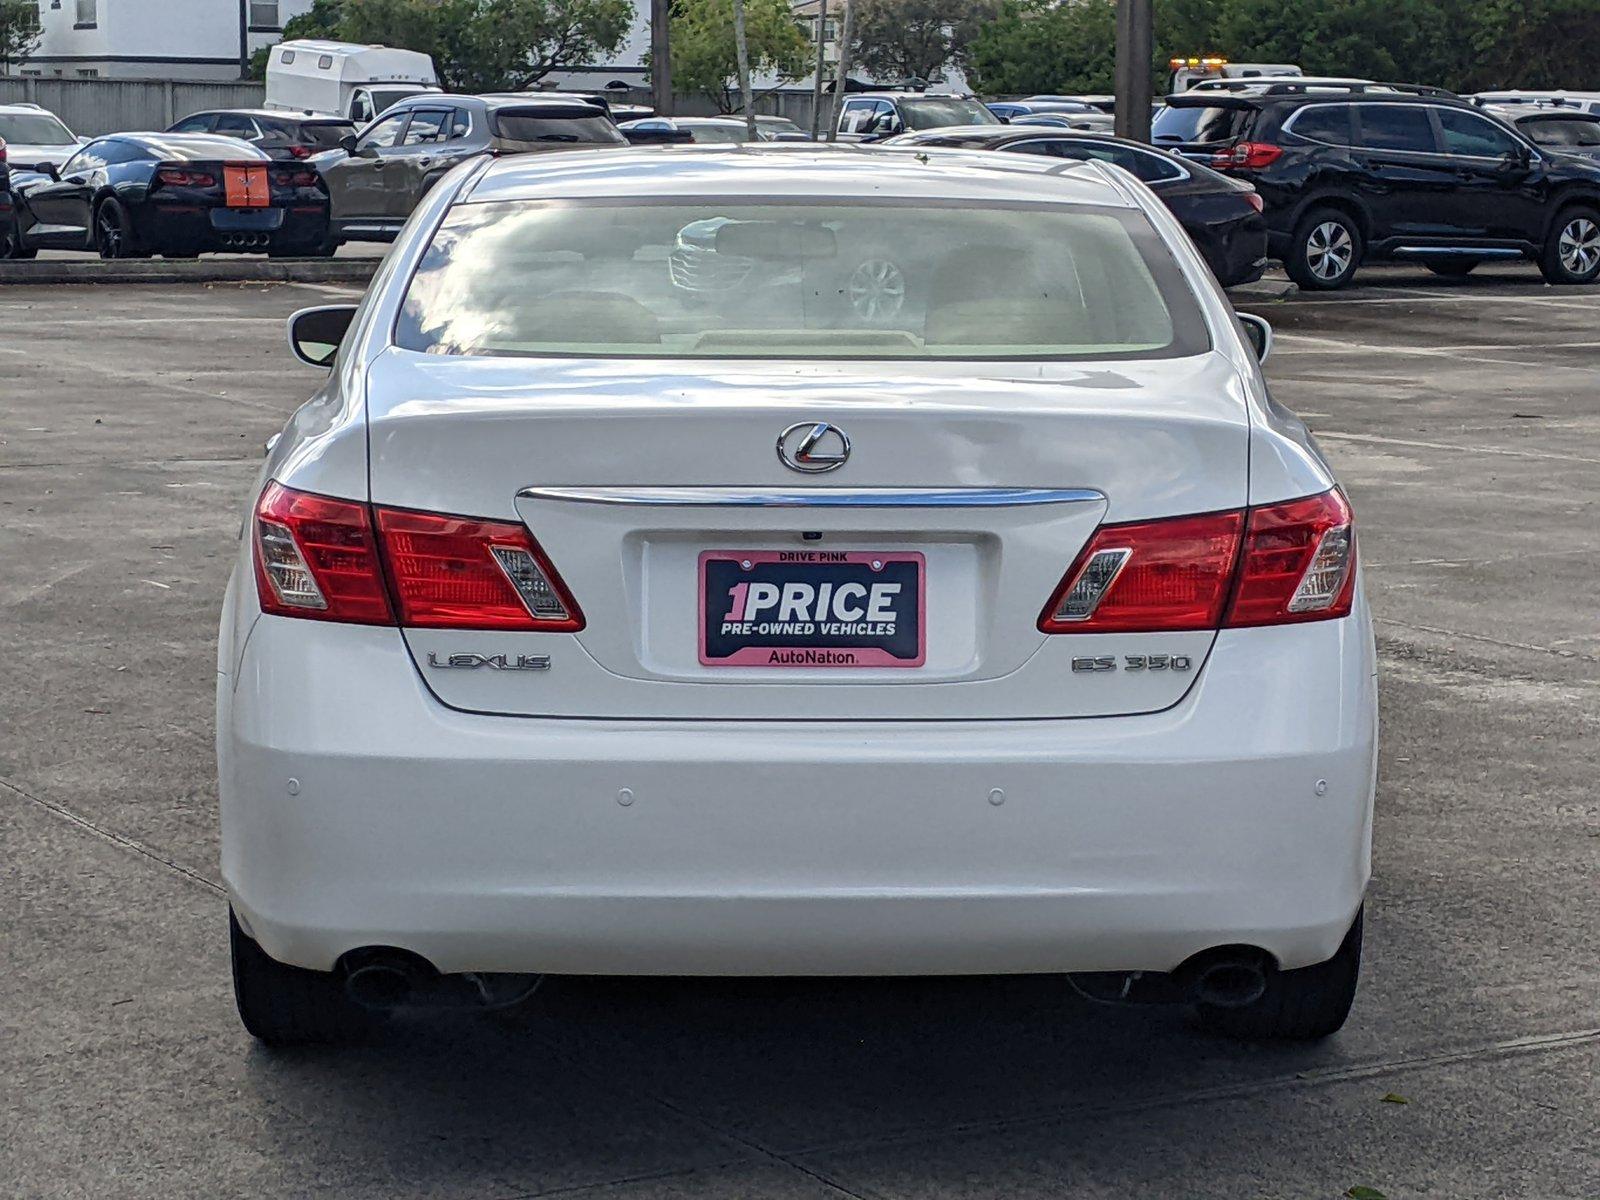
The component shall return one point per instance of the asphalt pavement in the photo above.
(1464, 419)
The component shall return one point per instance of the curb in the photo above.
(1264, 289)
(311, 270)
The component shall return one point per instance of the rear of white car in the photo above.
(945, 597)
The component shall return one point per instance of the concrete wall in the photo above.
(91, 107)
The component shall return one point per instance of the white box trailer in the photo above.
(343, 79)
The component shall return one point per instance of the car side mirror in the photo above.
(1259, 333)
(49, 169)
(315, 334)
(348, 143)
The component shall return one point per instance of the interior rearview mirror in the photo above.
(1259, 332)
(315, 334)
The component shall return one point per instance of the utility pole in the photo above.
(741, 50)
(660, 58)
(1135, 49)
(843, 76)
(816, 86)
(244, 39)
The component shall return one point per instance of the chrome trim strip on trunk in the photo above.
(758, 497)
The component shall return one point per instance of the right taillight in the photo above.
(1250, 156)
(1298, 563)
(337, 560)
(1269, 565)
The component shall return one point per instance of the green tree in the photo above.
(895, 40)
(478, 45)
(1035, 46)
(19, 31)
(705, 56)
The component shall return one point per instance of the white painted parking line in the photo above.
(1374, 439)
(1430, 298)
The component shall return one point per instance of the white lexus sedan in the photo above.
(784, 560)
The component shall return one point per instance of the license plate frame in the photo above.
(831, 644)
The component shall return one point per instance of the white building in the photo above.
(154, 39)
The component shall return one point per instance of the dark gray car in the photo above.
(377, 176)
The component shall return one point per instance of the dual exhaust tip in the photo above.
(1222, 977)
(384, 978)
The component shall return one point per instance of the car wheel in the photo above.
(1325, 250)
(1453, 268)
(11, 246)
(876, 289)
(1303, 1004)
(113, 230)
(1572, 252)
(285, 1006)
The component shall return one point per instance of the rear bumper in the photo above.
(356, 810)
(191, 228)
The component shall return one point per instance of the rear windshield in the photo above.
(719, 279)
(937, 112)
(522, 128)
(34, 129)
(325, 133)
(1562, 131)
(1204, 124)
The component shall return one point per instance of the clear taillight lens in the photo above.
(1299, 562)
(460, 573)
(315, 557)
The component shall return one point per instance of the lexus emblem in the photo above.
(813, 447)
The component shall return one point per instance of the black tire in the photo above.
(1325, 250)
(287, 1006)
(1453, 268)
(1571, 253)
(113, 230)
(11, 246)
(1300, 1005)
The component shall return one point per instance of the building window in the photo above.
(88, 72)
(264, 14)
(87, 15)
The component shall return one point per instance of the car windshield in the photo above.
(931, 112)
(383, 98)
(709, 134)
(1562, 131)
(34, 129)
(799, 279)
(1202, 124)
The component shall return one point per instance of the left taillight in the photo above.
(1250, 156)
(340, 560)
(316, 557)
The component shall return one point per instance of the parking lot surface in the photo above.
(1464, 419)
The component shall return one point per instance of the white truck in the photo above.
(1186, 72)
(343, 79)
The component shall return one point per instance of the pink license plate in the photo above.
(812, 608)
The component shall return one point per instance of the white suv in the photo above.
(581, 625)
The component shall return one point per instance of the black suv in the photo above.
(1367, 171)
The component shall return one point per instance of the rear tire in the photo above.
(287, 1006)
(113, 230)
(1572, 251)
(1453, 268)
(1325, 250)
(11, 246)
(1300, 1005)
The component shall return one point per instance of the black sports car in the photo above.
(1222, 215)
(8, 209)
(130, 195)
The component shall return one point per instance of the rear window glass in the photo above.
(1396, 127)
(325, 134)
(1328, 123)
(1562, 131)
(712, 278)
(1203, 124)
(530, 128)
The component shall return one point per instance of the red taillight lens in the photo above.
(178, 177)
(300, 177)
(1280, 563)
(1251, 156)
(1149, 575)
(459, 573)
(329, 560)
(2, 150)
(315, 557)
(299, 151)
(1299, 562)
